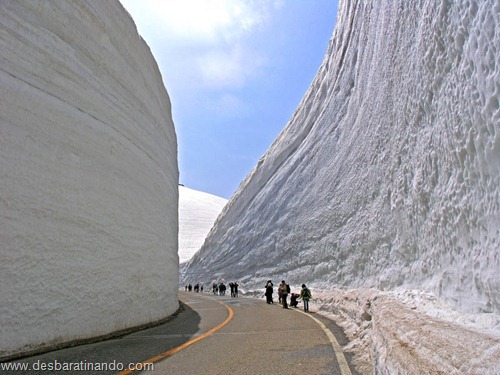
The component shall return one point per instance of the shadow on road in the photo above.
(131, 348)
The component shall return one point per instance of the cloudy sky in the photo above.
(235, 71)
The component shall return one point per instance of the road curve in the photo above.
(259, 339)
(210, 335)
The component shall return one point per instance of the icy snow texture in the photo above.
(411, 332)
(197, 214)
(88, 176)
(387, 174)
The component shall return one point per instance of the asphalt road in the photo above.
(213, 335)
(259, 339)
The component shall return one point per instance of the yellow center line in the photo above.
(186, 344)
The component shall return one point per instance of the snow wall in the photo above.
(197, 213)
(387, 175)
(88, 176)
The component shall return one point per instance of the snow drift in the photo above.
(88, 166)
(387, 174)
(197, 213)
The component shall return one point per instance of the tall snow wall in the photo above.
(197, 213)
(88, 176)
(387, 175)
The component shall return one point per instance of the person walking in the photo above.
(306, 295)
(222, 289)
(284, 289)
(269, 292)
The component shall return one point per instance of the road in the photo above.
(259, 339)
(216, 335)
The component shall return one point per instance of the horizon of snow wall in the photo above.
(197, 213)
(387, 174)
(89, 177)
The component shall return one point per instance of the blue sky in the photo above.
(235, 71)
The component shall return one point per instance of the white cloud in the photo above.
(203, 40)
(200, 21)
(227, 68)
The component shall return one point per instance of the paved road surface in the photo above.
(234, 336)
(259, 339)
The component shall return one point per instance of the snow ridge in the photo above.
(197, 214)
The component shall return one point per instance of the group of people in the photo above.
(197, 288)
(217, 289)
(220, 289)
(283, 292)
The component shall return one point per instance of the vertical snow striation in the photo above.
(387, 174)
(88, 176)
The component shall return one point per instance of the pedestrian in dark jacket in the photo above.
(306, 295)
(284, 288)
(269, 292)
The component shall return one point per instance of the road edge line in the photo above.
(185, 345)
(339, 353)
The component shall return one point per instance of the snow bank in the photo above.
(197, 214)
(412, 332)
(88, 166)
(387, 175)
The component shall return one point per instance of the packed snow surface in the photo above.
(385, 180)
(197, 213)
(88, 176)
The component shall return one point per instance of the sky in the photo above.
(235, 71)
